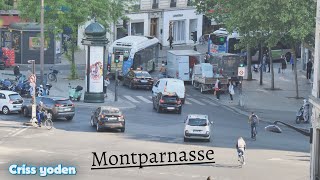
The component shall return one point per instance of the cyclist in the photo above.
(40, 110)
(241, 147)
(253, 120)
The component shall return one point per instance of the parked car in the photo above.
(197, 126)
(170, 85)
(138, 79)
(167, 102)
(10, 101)
(59, 107)
(107, 117)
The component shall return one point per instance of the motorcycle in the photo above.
(6, 84)
(299, 116)
(75, 93)
(41, 91)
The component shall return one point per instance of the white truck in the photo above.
(204, 79)
(180, 63)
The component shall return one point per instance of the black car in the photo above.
(138, 79)
(59, 107)
(167, 102)
(107, 117)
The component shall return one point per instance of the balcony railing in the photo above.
(173, 4)
(155, 5)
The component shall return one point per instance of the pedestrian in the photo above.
(309, 69)
(170, 39)
(106, 83)
(292, 62)
(217, 88)
(268, 62)
(306, 110)
(283, 64)
(231, 90)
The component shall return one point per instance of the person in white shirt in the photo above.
(241, 147)
(231, 90)
(106, 83)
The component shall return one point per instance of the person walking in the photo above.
(231, 90)
(283, 64)
(268, 62)
(309, 69)
(306, 110)
(170, 39)
(292, 62)
(106, 83)
(217, 88)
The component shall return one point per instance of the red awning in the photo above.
(5, 21)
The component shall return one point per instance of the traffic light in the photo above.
(194, 36)
(218, 40)
(241, 65)
(117, 59)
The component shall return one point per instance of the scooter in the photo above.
(75, 93)
(256, 68)
(299, 117)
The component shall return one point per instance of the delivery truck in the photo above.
(180, 63)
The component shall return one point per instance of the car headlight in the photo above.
(207, 133)
(186, 132)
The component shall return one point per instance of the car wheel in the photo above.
(98, 128)
(69, 118)
(122, 129)
(25, 112)
(91, 122)
(185, 139)
(297, 120)
(5, 110)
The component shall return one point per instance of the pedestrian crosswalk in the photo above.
(189, 100)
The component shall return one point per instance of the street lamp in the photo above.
(32, 80)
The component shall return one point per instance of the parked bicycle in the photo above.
(52, 76)
(46, 121)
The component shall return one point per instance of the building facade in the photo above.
(315, 101)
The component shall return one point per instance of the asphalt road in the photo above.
(272, 156)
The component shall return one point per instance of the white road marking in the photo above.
(19, 132)
(187, 102)
(150, 97)
(196, 101)
(144, 99)
(131, 99)
(209, 102)
(275, 159)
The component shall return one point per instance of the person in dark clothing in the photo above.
(16, 70)
(170, 39)
(217, 88)
(309, 69)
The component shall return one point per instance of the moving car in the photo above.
(59, 107)
(167, 102)
(197, 126)
(170, 85)
(10, 102)
(107, 117)
(138, 79)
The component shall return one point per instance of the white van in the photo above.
(10, 101)
(170, 85)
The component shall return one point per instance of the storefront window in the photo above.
(179, 31)
(137, 28)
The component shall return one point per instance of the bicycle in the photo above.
(241, 158)
(52, 76)
(46, 122)
(254, 133)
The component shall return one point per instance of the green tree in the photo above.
(61, 14)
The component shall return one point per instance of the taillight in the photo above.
(161, 101)
(58, 105)
(101, 116)
(72, 105)
(121, 118)
(135, 79)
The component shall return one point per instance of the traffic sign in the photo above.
(241, 71)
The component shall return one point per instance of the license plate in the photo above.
(170, 107)
(144, 81)
(111, 119)
(67, 109)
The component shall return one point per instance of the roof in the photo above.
(134, 41)
(170, 79)
(224, 54)
(203, 116)
(184, 52)
(25, 26)
(5, 21)
(6, 92)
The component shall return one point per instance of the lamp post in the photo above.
(32, 80)
(42, 42)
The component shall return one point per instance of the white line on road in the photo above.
(150, 97)
(19, 132)
(196, 101)
(187, 102)
(131, 99)
(209, 102)
(144, 99)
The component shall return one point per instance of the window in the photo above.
(137, 28)
(155, 4)
(2, 96)
(173, 3)
(197, 122)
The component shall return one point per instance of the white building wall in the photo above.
(186, 15)
(145, 4)
(142, 17)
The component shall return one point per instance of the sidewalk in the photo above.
(271, 105)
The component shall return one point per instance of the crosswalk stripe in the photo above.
(131, 99)
(187, 102)
(196, 101)
(150, 97)
(209, 102)
(144, 99)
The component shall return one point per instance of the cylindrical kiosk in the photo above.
(95, 42)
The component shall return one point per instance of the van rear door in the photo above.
(183, 68)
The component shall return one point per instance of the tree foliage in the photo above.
(62, 14)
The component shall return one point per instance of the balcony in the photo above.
(155, 6)
(173, 4)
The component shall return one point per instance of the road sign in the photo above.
(241, 71)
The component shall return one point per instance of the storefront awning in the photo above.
(5, 21)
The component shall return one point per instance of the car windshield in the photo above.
(66, 101)
(170, 98)
(142, 74)
(197, 122)
(15, 97)
(111, 112)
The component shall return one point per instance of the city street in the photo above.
(272, 156)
